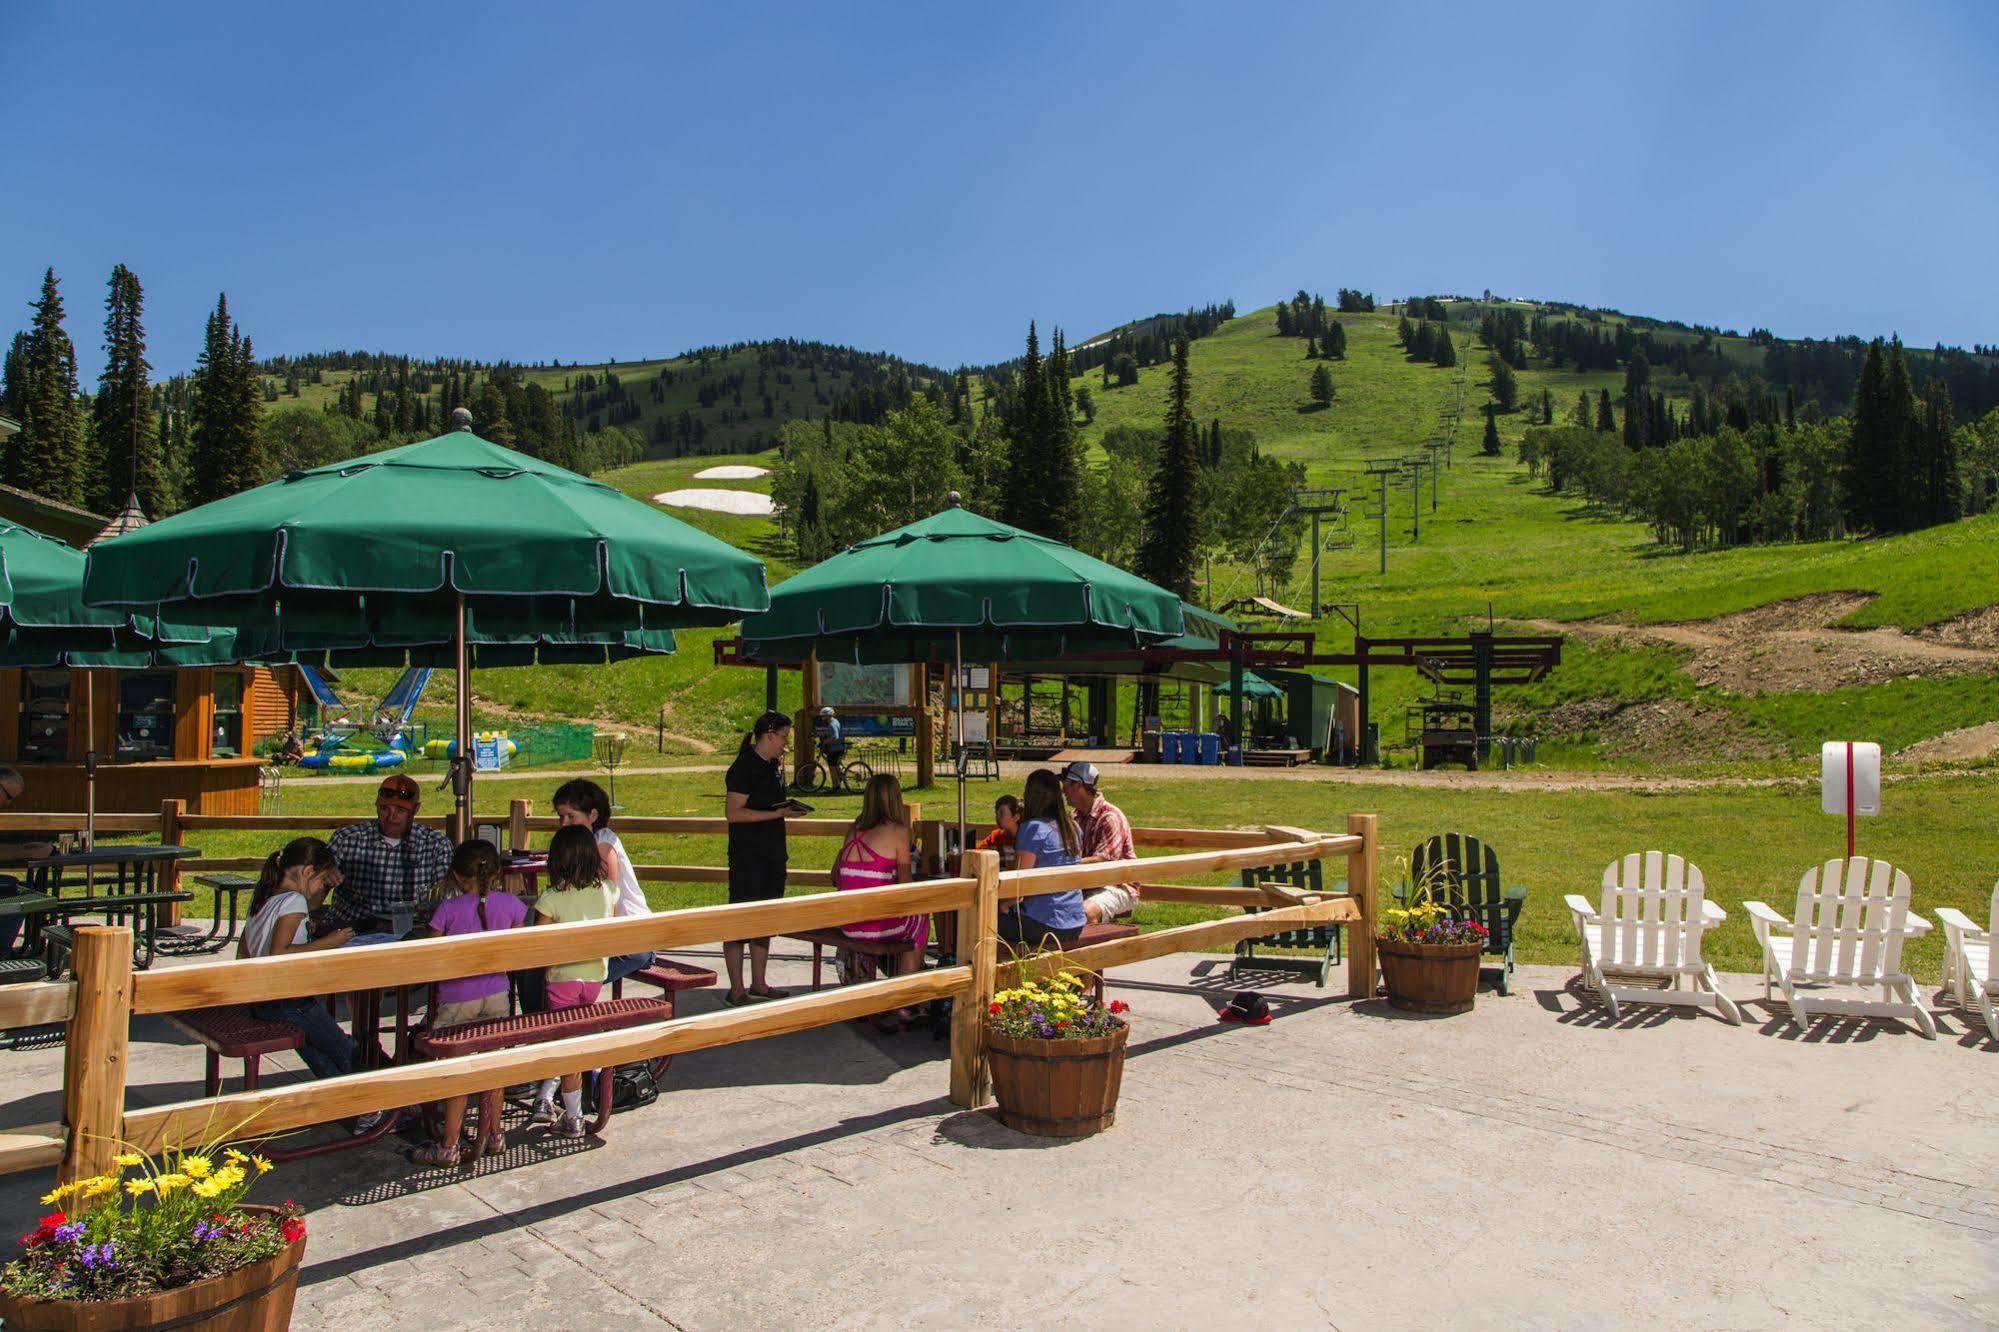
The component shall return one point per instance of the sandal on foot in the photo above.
(768, 993)
(435, 1154)
(735, 1000)
(570, 1127)
(544, 1113)
(493, 1144)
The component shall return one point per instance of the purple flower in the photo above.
(64, 1234)
(204, 1231)
(100, 1255)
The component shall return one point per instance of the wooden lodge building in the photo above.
(168, 734)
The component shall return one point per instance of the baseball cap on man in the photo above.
(1079, 771)
(397, 789)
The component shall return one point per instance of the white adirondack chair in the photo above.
(1971, 963)
(1853, 916)
(1649, 925)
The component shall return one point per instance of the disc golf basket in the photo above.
(611, 754)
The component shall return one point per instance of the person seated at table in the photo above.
(293, 882)
(1006, 817)
(587, 805)
(471, 902)
(389, 865)
(15, 849)
(1047, 838)
(875, 855)
(577, 890)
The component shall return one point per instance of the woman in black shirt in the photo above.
(756, 809)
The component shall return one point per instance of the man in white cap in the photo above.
(1106, 836)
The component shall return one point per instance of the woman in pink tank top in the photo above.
(875, 855)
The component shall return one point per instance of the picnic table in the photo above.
(221, 932)
(134, 892)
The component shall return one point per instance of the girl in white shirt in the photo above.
(587, 805)
(292, 885)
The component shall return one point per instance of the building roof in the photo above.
(128, 519)
(9, 426)
(65, 522)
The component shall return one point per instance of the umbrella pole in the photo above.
(463, 785)
(89, 762)
(958, 706)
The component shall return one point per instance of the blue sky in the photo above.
(633, 179)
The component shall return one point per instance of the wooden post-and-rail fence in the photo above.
(107, 993)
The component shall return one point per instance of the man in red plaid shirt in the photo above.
(1106, 836)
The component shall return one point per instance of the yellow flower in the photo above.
(196, 1167)
(58, 1193)
(233, 1156)
(135, 1187)
(262, 1163)
(130, 1159)
(206, 1188)
(168, 1183)
(97, 1186)
(228, 1177)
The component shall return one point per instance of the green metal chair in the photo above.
(1464, 876)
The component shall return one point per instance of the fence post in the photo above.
(171, 834)
(978, 937)
(1363, 874)
(93, 1084)
(517, 824)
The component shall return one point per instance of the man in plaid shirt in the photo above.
(388, 866)
(1106, 836)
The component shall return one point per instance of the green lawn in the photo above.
(1750, 842)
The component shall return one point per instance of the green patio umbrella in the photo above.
(955, 584)
(44, 624)
(453, 551)
(1253, 686)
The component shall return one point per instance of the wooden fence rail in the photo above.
(106, 994)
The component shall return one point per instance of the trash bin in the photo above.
(1211, 748)
(1149, 746)
(1370, 750)
(1170, 746)
(1235, 756)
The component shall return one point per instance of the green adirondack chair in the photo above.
(1323, 941)
(1465, 877)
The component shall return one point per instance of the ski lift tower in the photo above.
(1320, 504)
(1381, 469)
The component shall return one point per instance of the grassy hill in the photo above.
(1494, 542)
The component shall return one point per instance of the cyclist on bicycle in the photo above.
(832, 743)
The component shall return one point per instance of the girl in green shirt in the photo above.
(577, 890)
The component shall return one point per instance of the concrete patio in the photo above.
(1527, 1165)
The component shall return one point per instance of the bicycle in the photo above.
(821, 778)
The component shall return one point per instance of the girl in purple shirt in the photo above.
(470, 903)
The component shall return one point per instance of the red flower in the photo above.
(292, 1229)
(1119, 1006)
(993, 1007)
(28, 1241)
(52, 1220)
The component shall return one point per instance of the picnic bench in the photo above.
(535, 1028)
(233, 1032)
(142, 909)
(1462, 873)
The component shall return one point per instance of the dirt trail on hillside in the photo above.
(632, 734)
(1970, 742)
(1791, 646)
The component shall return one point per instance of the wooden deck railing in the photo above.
(106, 993)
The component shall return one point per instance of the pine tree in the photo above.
(1311, 349)
(122, 415)
(1868, 474)
(225, 454)
(47, 456)
(1582, 411)
(1489, 443)
(1172, 503)
(1061, 467)
(1285, 327)
(1637, 407)
(1505, 386)
(1024, 481)
(1547, 408)
(1322, 385)
(1899, 398)
(1444, 353)
(1942, 497)
(1336, 341)
(14, 380)
(1605, 418)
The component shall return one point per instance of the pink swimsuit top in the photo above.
(861, 866)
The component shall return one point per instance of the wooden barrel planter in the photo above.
(1057, 1089)
(1429, 978)
(257, 1298)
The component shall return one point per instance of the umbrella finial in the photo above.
(957, 500)
(461, 418)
